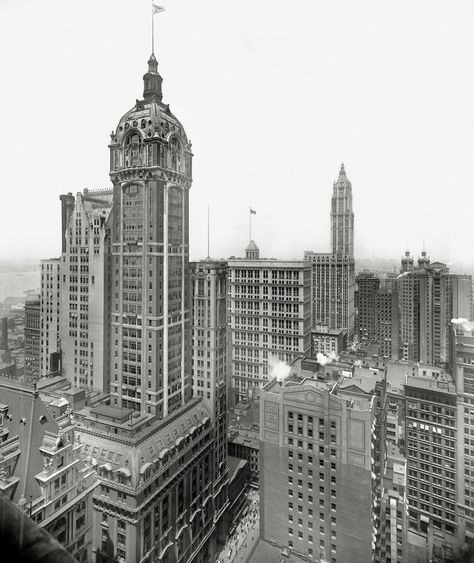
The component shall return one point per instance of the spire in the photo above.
(342, 172)
(152, 81)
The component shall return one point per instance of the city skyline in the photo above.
(399, 117)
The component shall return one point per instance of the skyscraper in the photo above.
(429, 296)
(150, 158)
(50, 297)
(464, 377)
(162, 464)
(85, 288)
(342, 216)
(269, 315)
(333, 274)
(316, 468)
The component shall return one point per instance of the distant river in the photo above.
(18, 284)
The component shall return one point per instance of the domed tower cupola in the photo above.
(152, 82)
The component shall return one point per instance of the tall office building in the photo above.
(32, 337)
(269, 316)
(367, 285)
(50, 297)
(209, 342)
(429, 296)
(316, 473)
(432, 468)
(387, 320)
(464, 377)
(85, 289)
(333, 274)
(150, 158)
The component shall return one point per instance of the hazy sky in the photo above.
(273, 94)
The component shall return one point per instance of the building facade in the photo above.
(328, 341)
(269, 317)
(367, 286)
(464, 377)
(431, 442)
(209, 345)
(429, 296)
(50, 298)
(32, 338)
(85, 286)
(156, 500)
(317, 488)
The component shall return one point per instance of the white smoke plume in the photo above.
(322, 359)
(464, 324)
(402, 275)
(278, 369)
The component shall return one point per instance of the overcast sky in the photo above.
(274, 96)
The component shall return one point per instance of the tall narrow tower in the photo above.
(342, 216)
(150, 168)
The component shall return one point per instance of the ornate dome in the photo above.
(150, 117)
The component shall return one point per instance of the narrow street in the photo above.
(240, 543)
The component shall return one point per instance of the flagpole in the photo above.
(152, 29)
(208, 255)
(250, 224)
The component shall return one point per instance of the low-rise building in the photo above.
(156, 499)
(40, 468)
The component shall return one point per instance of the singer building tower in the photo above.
(150, 168)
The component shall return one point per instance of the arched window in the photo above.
(133, 150)
(175, 154)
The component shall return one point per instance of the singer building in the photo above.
(162, 496)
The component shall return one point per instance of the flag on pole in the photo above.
(252, 212)
(157, 9)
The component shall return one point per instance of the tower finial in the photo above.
(342, 172)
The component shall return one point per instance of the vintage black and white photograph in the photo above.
(236, 281)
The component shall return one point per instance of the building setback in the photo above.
(316, 471)
(269, 316)
(50, 335)
(85, 286)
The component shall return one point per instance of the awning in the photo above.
(124, 471)
(205, 419)
(106, 466)
(179, 440)
(192, 430)
(145, 466)
(163, 452)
